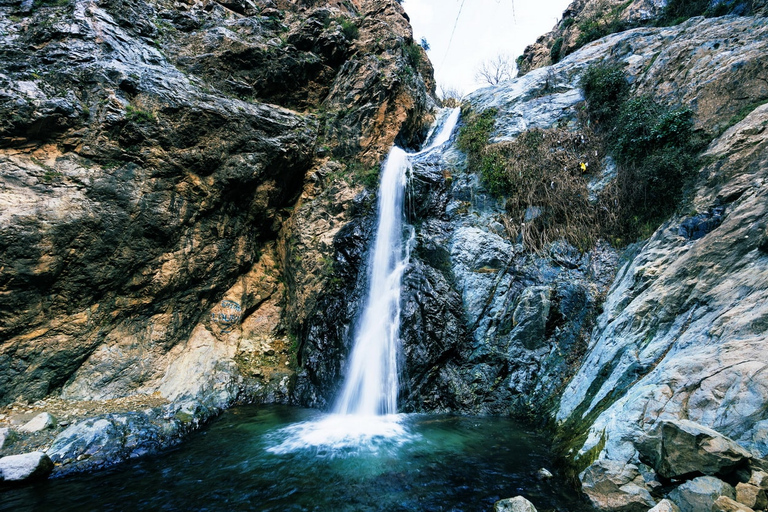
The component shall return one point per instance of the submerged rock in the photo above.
(25, 467)
(516, 504)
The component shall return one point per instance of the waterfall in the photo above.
(365, 412)
(371, 384)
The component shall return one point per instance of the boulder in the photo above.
(751, 496)
(614, 486)
(726, 504)
(665, 505)
(6, 436)
(516, 504)
(759, 479)
(700, 494)
(24, 467)
(40, 422)
(679, 448)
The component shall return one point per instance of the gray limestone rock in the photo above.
(677, 448)
(700, 494)
(40, 422)
(7, 436)
(24, 467)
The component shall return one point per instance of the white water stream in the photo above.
(365, 411)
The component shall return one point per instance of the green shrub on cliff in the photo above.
(653, 145)
(605, 88)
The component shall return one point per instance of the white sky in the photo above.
(484, 29)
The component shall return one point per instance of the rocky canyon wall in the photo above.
(172, 177)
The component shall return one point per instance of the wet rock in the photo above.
(39, 422)
(726, 504)
(613, 486)
(544, 474)
(516, 504)
(698, 226)
(678, 448)
(7, 436)
(700, 493)
(25, 467)
(530, 316)
(751, 495)
(665, 505)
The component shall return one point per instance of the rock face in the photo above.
(584, 21)
(151, 156)
(25, 467)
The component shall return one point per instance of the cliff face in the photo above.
(585, 21)
(157, 162)
(679, 334)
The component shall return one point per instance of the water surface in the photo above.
(440, 463)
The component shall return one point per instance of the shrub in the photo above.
(412, 52)
(541, 169)
(657, 154)
(137, 115)
(554, 52)
(605, 88)
(349, 29)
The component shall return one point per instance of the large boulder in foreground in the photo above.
(611, 485)
(679, 448)
(24, 467)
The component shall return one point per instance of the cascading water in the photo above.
(371, 385)
(366, 409)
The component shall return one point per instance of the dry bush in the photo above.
(541, 173)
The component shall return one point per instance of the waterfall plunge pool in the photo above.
(436, 463)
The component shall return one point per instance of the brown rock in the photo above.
(617, 487)
(726, 504)
(759, 479)
(751, 496)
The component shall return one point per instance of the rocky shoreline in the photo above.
(56, 437)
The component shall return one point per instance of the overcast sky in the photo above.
(484, 28)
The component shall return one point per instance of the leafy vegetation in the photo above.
(554, 52)
(138, 116)
(412, 52)
(543, 174)
(605, 88)
(677, 11)
(653, 145)
(349, 29)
